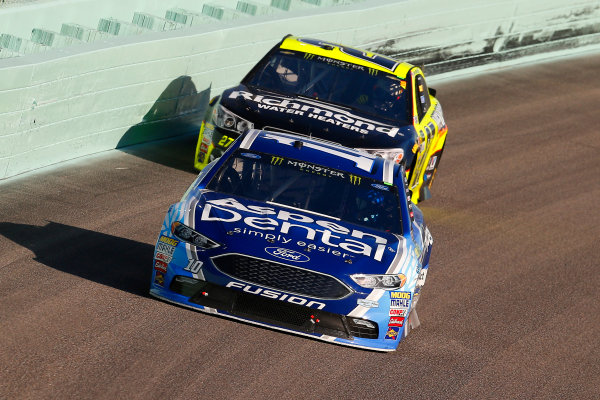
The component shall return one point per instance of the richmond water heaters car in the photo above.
(300, 235)
(353, 97)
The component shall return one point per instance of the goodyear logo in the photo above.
(400, 295)
(276, 160)
(355, 180)
(168, 240)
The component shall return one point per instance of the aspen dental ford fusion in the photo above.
(299, 235)
(319, 89)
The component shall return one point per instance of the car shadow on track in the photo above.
(168, 132)
(108, 260)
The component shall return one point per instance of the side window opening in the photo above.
(422, 96)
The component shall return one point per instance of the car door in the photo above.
(426, 130)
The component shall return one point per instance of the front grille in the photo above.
(281, 277)
(275, 312)
(272, 311)
(362, 331)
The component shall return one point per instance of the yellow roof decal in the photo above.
(348, 54)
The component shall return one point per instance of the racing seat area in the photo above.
(370, 207)
(229, 181)
(368, 204)
(281, 74)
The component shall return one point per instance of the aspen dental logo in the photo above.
(317, 111)
(332, 238)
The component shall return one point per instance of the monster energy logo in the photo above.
(372, 71)
(309, 56)
(355, 180)
(276, 160)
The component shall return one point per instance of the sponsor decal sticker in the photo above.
(315, 169)
(400, 303)
(355, 179)
(438, 117)
(392, 333)
(382, 61)
(400, 295)
(272, 294)
(380, 187)
(422, 276)
(165, 248)
(360, 160)
(163, 257)
(159, 278)
(168, 240)
(286, 254)
(251, 155)
(276, 160)
(398, 312)
(367, 303)
(396, 321)
(209, 129)
(318, 111)
(259, 223)
(160, 266)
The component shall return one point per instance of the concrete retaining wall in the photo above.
(74, 101)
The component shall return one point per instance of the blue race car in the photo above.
(299, 235)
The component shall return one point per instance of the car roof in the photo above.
(348, 54)
(323, 153)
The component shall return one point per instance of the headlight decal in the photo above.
(398, 264)
(191, 236)
(380, 281)
(393, 155)
(225, 119)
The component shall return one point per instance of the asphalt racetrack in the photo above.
(510, 309)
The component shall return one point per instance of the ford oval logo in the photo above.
(286, 254)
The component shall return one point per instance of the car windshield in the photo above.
(298, 184)
(365, 89)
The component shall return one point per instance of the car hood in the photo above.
(306, 116)
(294, 237)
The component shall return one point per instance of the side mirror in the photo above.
(432, 91)
(214, 100)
